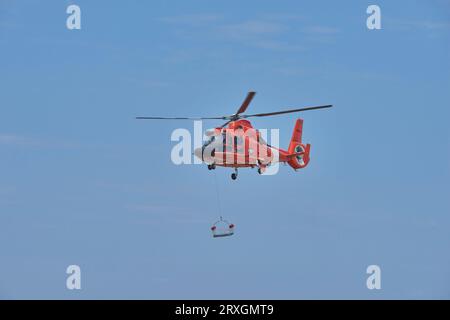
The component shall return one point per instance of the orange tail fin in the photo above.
(299, 151)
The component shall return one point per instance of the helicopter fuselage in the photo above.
(239, 145)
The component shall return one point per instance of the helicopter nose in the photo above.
(198, 153)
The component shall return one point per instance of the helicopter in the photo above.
(236, 144)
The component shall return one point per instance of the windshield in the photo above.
(261, 139)
(209, 141)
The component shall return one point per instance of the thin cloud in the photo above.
(278, 46)
(321, 30)
(283, 17)
(269, 32)
(14, 140)
(260, 34)
(11, 139)
(419, 25)
(191, 19)
(251, 29)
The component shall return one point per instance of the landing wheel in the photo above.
(260, 171)
(211, 166)
(234, 174)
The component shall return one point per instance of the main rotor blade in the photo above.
(285, 111)
(246, 102)
(225, 124)
(181, 118)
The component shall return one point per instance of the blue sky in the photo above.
(82, 182)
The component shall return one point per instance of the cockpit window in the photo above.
(228, 142)
(239, 141)
(211, 139)
(261, 139)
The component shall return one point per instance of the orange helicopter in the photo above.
(236, 144)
